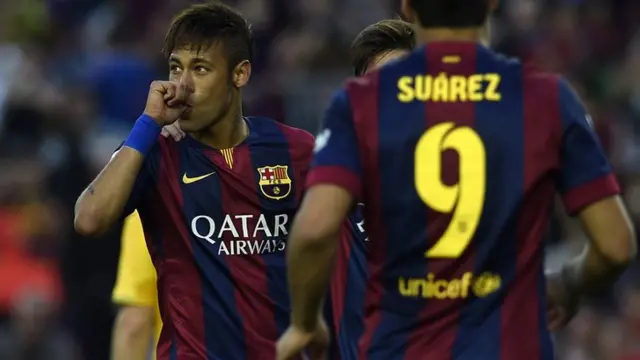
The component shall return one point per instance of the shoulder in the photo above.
(273, 131)
(550, 87)
(298, 138)
(270, 133)
(504, 60)
(554, 98)
(301, 142)
(541, 82)
(547, 94)
(355, 86)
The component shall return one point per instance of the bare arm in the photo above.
(590, 190)
(333, 184)
(132, 333)
(101, 204)
(313, 244)
(612, 247)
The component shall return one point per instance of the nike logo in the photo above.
(188, 180)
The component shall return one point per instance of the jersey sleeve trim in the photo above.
(586, 194)
(336, 175)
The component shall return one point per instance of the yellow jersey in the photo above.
(136, 281)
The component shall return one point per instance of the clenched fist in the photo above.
(167, 100)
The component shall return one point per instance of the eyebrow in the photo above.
(196, 60)
(200, 60)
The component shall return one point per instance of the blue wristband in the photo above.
(144, 134)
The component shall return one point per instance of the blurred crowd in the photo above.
(74, 75)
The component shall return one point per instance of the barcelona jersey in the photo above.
(216, 223)
(457, 153)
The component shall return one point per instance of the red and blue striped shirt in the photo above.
(458, 153)
(216, 223)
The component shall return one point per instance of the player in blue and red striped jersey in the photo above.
(375, 46)
(216, 206)
(457, 153)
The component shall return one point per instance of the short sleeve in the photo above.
(336, 160)
(357, 220)
(585, 175)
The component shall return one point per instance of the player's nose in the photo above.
(187, 82)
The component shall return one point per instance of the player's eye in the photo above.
(174, 68)
(201, 69)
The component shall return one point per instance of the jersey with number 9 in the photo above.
(458, 153)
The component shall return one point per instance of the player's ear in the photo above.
(241, 74)
(407, 11)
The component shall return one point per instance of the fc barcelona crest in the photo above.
(275, 182)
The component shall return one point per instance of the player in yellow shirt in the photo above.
(138, 324)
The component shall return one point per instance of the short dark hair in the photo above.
(201, 26)
(451, 13)
(378, 38)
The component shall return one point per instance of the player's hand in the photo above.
(174, 131)
(562, 304)
(294, 342)
(167, 100)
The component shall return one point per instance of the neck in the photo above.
(227, 132)
(425, 36)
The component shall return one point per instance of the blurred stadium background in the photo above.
(74, 76)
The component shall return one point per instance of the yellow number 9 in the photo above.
(466, 198)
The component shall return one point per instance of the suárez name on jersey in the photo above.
(449, 88)
(247, 234)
